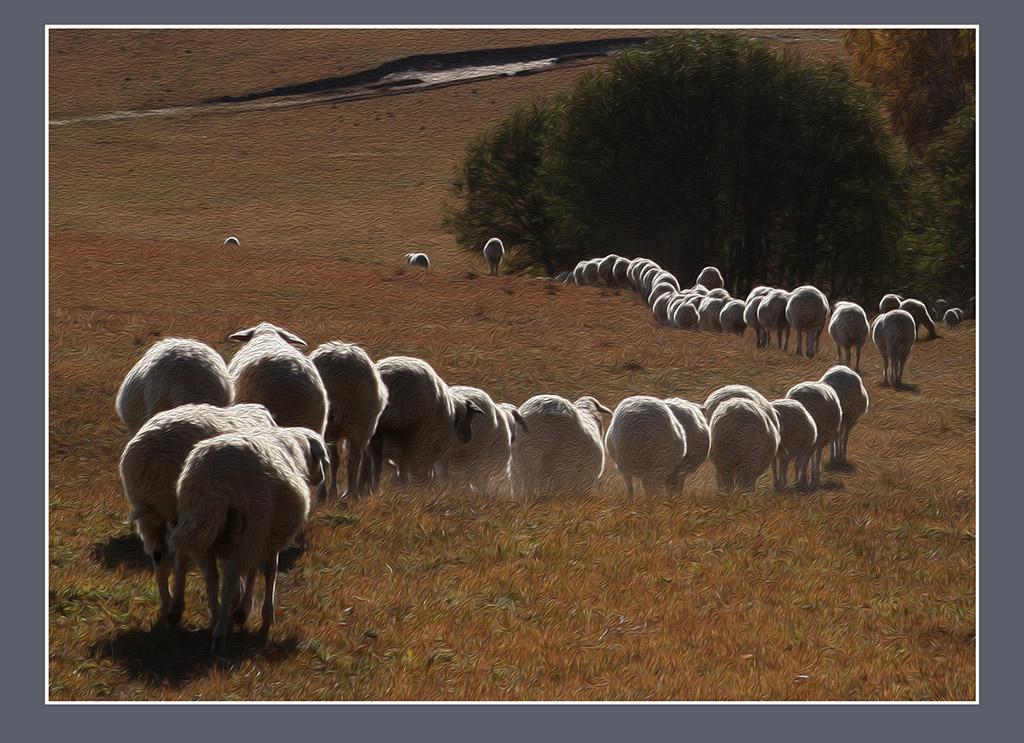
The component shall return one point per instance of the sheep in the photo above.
(243, 498)
(269, 371)
(761, 337)
(853, 399)
(684, 316)
(719, 293)
(894, 334)
(698, 437)
(660, 307)
(889, 302)
(422, 424)
(710, 277)
(232, 240)
(585, 273)
(940, 305)
(647, 441)
(771, 314)
(730, 319)
(356, 397)
(823, 404)
(605, 270)
(619, 268)
(173, 372)
(807, 314)
(149, 468)
(733, 391)
(494, 252)
(657, 281)
(709, 314)
(561, 447)
(418, 259)
(798, 435)
(635, 269)
(920, 314)
(953, 317)
(848, 328)
(744, 443)
(486, 456)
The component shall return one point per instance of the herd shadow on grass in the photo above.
(126, 550)
(174, 656)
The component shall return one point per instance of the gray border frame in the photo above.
(24, 680)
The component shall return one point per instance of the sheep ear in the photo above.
(520, 420)
(602, 408)
(464, 420)
(242, 335)
(290, 337)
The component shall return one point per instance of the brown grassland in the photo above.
(864, 590)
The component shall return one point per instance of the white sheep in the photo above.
(953, 317)
(606, 270)
(619, 268)
(268, 370)
(848, 328)
(635, 270)
(418, 259)
(807, 314)
(823, 404)
(356, 397)
(761, 336)
(423, 422)
(646, 441)
(485, 457)
(919, 312)
(244, 498)
(494, 252)
(173, 372)
(698, 437)
(561, 448)
(798, 435)
(711, 278)
(660, 307)
(709, 314)
(744, 443)
(730, 319)
(586, 273)
(853, 398)
(684, 316)
(149, 468)
(734, 391)
(889, 302)
(232, 240)
(940, 306)
(771, 314)
(894, 334)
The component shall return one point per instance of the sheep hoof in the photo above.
(239, 617)
(173, 617)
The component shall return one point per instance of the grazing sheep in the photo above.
(494, 252)
(744, 443)
(709, 314)
(894, 335)
(853, 399)
(684, 316)
(418, 259)
(647, 441)
(269, 371)
(953, 317)
(823, 404)
(698, 437)
(798, 435)
(848, 328)
(244, 498)
(761, 336)
(232, 240)
(807, 314)
(660, 307)
(636, 268)
(711, 278)
(619, 268)
(733, 391)
(660, 287)
(730, 319)
(889, 302)
(423, 423)
(586, 273)
(606, 269)
(173, 372)
(940, 305)
(560, 448)
(920, 314)
(474, 465)
(356, 397)
(150, 466)
(771, 314)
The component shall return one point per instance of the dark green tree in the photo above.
(705, 148)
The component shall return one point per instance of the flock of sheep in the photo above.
(222, 457)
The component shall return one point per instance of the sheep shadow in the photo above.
(124, 549)
(174, 656)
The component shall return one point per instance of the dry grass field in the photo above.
(864, 590)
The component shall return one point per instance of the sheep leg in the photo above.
(858, 360)
(178, 596)
(334, 456)
(353, 467)
(241, 612)
(229, 597)
(210, 574)
(269, 591)
(162, 563)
